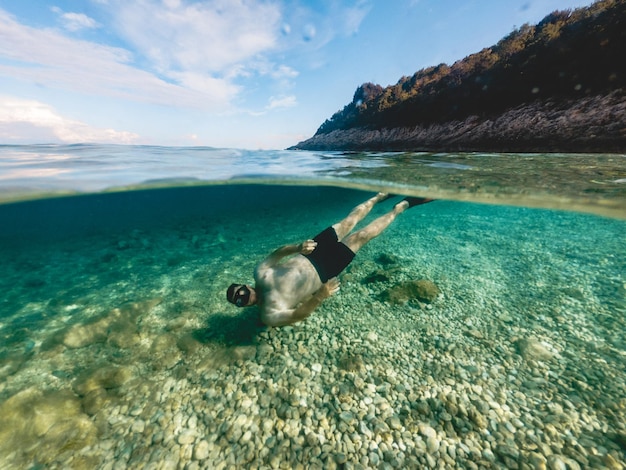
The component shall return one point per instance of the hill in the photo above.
(555, 86)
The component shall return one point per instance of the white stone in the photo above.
(312, 439)
(427, 431)
(555, 463)
(201, 450)
(532, 348)
(432, 444)
(267, 425)
(193, 422)
(246, 437)
(138, 426)
(186, 437)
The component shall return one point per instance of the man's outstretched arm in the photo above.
(307, 307)
(304, 248)
(288, 317)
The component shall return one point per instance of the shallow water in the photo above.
(117, 347)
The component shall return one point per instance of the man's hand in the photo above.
(306, 308)
(307, 247)
(329, 288)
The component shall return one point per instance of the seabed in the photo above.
(119, 350)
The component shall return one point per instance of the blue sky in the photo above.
(223, 73)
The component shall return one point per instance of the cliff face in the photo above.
(556, 86)
(592, 124)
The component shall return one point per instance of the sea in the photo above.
(486, 329)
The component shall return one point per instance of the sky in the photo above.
(249, 74)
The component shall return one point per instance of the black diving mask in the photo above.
(242, 296)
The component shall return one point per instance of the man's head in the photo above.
(241, 295)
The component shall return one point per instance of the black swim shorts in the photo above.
(330, 257)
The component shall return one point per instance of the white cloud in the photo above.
(75, 21)
(317, 26)
(208, 37)
(53, 60)
(283, 71)
(32, 121)
(354, 16)
(183, 53)
(277, 102)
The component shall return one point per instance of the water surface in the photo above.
(594, 183)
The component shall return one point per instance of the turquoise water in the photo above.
(119, 350)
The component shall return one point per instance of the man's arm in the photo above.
(305, 248)
(305, 309)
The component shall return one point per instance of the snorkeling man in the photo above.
(289, 291)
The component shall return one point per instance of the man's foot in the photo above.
(416, 201)
(385, 196)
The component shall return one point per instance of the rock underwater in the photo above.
(422, 290)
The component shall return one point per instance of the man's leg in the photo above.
(356, 240)
(344, 227)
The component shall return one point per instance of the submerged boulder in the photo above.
(532, 349)
(106, 378)
(380, 275)
(118, 326)
(422, 290)
(98, 386)
(38, 425)
(387, 259)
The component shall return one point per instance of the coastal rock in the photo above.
(507, 131)
(422, 290)
(486, 109)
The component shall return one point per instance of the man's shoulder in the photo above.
(262, 273)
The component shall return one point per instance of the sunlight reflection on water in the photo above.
(589, 183)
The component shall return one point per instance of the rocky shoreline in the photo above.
(595, 124)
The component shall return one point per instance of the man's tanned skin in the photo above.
(288, 287)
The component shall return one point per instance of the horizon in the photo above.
(270, 73)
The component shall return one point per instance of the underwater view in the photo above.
(482, 330)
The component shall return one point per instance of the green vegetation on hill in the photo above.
(568, 56)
